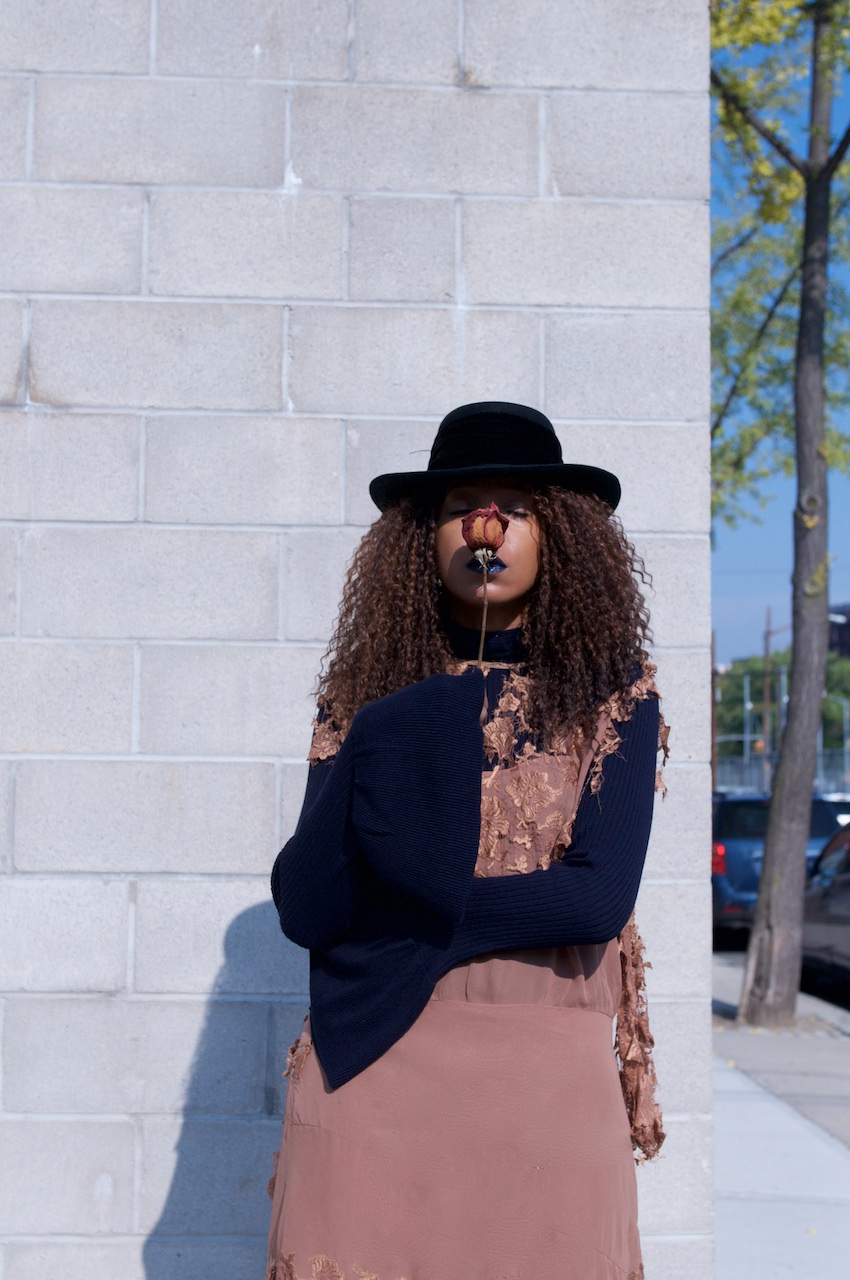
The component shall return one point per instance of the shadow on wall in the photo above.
(215, 1214)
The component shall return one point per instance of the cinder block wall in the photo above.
(251, 253)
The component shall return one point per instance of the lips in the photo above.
(495, 566)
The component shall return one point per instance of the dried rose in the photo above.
(484, 529)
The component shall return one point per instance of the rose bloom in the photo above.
(484, 529)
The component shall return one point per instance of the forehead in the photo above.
(482, 492)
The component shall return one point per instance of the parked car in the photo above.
(826, 910)
(737, 851)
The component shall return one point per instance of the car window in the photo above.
(824, 820)
(743, 820)
(747, 820)
(835, 858)
(834, 863)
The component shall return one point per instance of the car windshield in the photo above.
(747, 820)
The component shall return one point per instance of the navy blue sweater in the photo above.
(377, 880)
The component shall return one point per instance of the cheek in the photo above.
(445, 549)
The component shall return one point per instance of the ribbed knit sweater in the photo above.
(378, 883)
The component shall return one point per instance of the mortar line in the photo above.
(19, 586)
(159, 757)
(281, 610)
(541, 370)
(129, 978)
(459, 281)
(25, 361)
(262, 302)
(137, 1175)
(143, 468)
(345, 263)
(11, 802)
(543, 183)
(343, 470)
(3, 1075)
(144, 257)
(285, 398)
(153, 37)
(204, 188)
(270, 1065)
(412, 87)
(152, 642)
(29, 147)
(122, 1117)
(351, 36)
(287, 136)
(278, 801)
(323, 415)
(260, 530)
(260, 879)
(461, 43)
(136, 707)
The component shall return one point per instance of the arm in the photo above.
(314, 876)
(404, 792)
(417, 789)
(589, 896)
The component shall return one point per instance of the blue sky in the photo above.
(751, 568)
(751, 564)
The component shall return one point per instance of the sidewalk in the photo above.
(782, 1125)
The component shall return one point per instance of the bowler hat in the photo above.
(494, 438)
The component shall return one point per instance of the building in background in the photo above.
(251, 255)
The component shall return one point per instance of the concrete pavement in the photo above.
(782, 1124)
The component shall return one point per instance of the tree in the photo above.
(776, 65)
(730, 696)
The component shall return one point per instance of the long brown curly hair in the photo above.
(585, 625)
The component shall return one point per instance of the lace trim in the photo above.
(622, 707)
(324, 1268)
(321, 1268)
(634, 1049)
(298, 1052)
(327, 739)
(509, 724)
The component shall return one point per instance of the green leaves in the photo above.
(761, 76)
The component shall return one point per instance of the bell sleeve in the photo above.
(589, 895)
(314, 878)
(400, 801)
(417, 789)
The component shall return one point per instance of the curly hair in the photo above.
(585, 625)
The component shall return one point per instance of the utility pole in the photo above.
(713, 713)
(765, 720)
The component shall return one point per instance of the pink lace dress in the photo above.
(491, 1142)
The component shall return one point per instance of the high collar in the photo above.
(499, 646)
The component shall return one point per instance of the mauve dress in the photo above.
(491, 1142)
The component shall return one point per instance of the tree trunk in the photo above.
(774, 956)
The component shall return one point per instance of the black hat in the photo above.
(494, 438)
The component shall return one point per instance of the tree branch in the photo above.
(734, 247)
(732, 99)
(838, 154)
(753, 346)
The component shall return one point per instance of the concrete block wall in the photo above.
(251, 254)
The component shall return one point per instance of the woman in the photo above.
(469, 850)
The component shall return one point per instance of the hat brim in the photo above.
(386, 490)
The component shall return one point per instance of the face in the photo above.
(514, 573)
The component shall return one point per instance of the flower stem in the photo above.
(483, 619)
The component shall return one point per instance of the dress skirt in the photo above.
(490, 1143)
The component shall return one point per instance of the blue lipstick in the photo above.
(495, 566)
